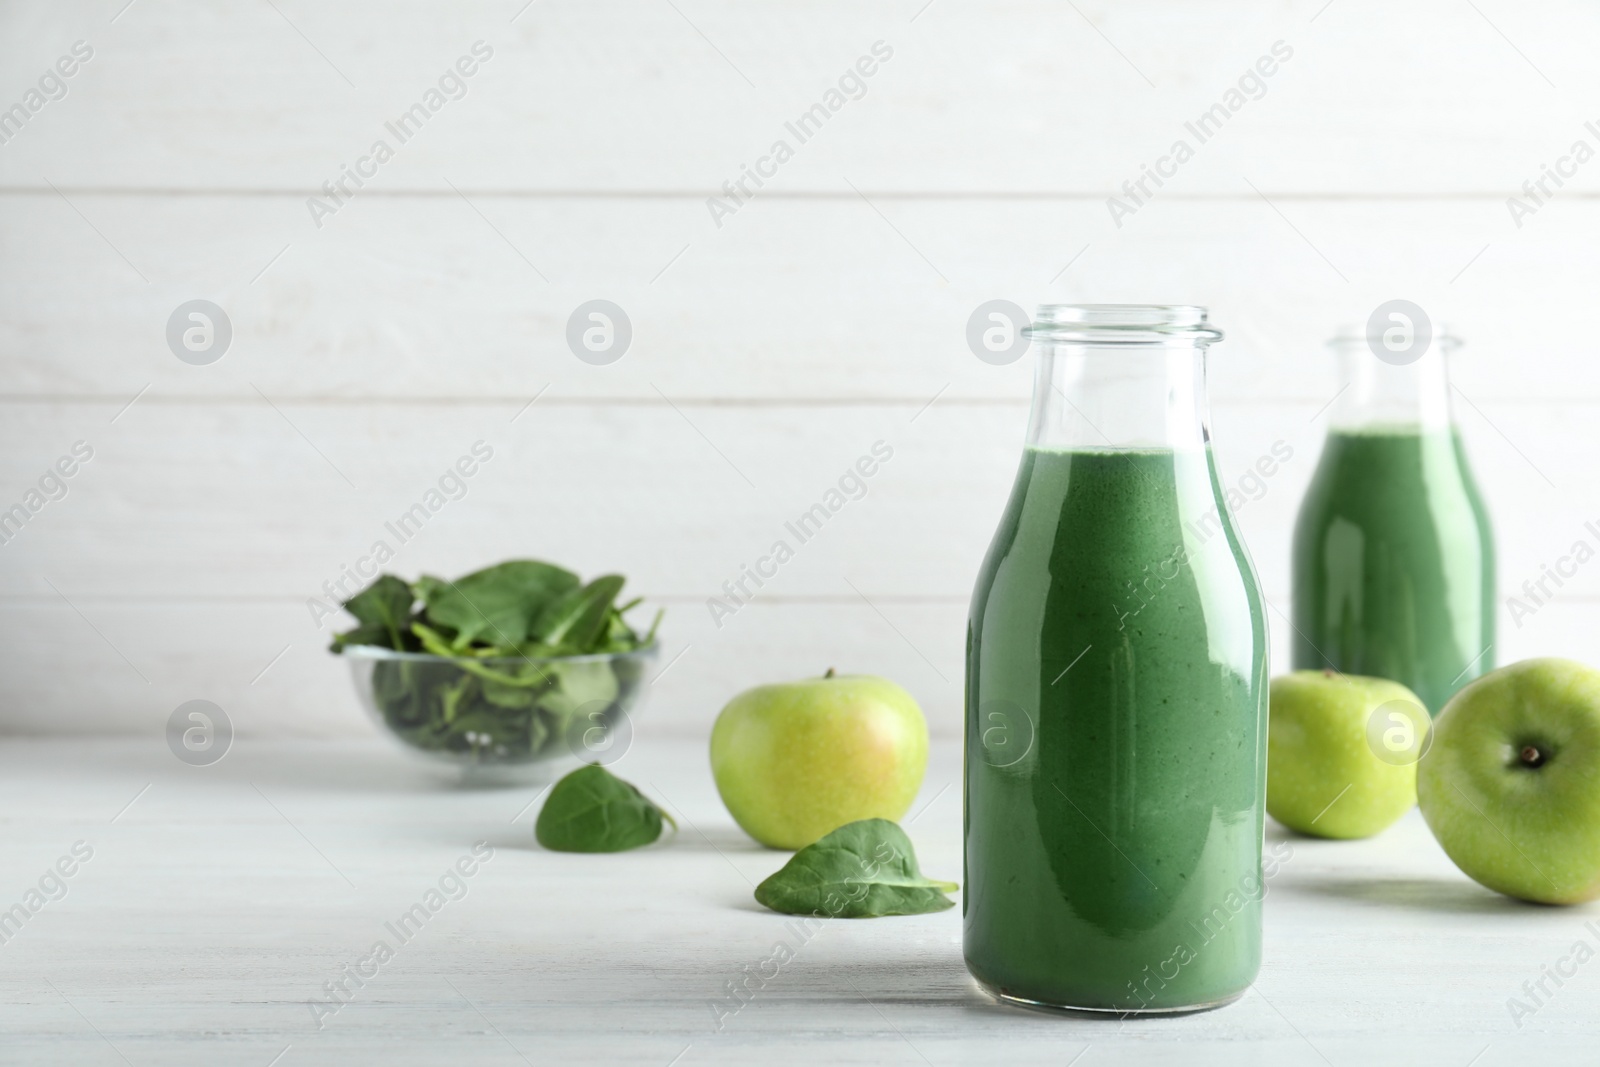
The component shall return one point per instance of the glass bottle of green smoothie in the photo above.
(1116, 701)
(1393, 570)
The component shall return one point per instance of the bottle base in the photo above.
(1101, 1011)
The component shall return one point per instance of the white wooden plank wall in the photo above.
(769, 352)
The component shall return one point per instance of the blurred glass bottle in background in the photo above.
(1393, 569)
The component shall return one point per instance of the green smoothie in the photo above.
(1394, 563)
(1116, 739)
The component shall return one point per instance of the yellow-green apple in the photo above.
(1342, 752)
(796, 761)
(1511, 785)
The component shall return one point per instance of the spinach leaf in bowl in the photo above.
(384, 611)
(509, 684)
(495, 606)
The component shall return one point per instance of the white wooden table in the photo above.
(219, 900)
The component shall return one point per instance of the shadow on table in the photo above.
(922, 982)
(352, 768)
(713, 840)
(1429, 894)
(340, 766)
(724, 839)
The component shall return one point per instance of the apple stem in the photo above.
(829, 673)
(1531, 756)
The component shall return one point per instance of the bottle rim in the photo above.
(1122, 324)
(1351, 336)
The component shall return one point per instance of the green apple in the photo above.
(794, 762)
(1511, 785)
(1342, 752)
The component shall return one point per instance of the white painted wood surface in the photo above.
(218, 902)
(770, 351)
(631, 95)
(164, 575)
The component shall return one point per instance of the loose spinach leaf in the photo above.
(592, 810)
(502, 691)
(860, 871)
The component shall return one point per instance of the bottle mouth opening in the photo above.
(1123, 324)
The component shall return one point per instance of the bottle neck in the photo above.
(1376, 394)
(1088, 396)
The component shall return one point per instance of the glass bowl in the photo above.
(503, 718)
